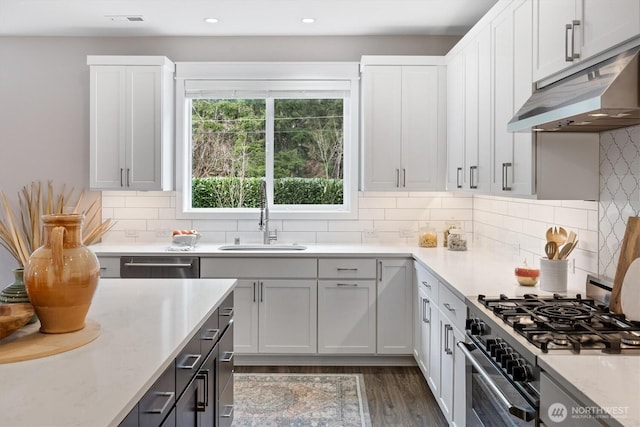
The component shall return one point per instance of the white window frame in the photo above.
(311, 73)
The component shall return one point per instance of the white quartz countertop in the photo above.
(600, 379)
(144, 323)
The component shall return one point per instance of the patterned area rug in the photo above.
(326, 400)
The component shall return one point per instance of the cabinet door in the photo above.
(425, 311)
(394, 308)
(607, 23)
(143, 155)
(434, 351)
(481, 178)
(382, 126)
(551, 50)
(420, 128)
(447, 338)
(455, 119)
(245, 338)
(288, 321)
(107, 126)
(513, 161)
(347, 316)
(459, 381)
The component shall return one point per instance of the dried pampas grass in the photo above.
(21, 236)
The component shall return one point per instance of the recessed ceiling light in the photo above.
(211, 20)
(308, 20)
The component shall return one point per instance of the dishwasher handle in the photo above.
(159, 264)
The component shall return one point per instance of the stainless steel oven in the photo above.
(502, 380)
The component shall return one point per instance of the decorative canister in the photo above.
(457, 240)
(62, 275)
(428, 238)
(448, 226)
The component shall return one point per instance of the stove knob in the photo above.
(519, 371)
(498, 349)
(506, 357)
(477, 327)
(492, 342)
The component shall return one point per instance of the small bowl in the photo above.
(13, 317)
(189, 240)
(527, 276)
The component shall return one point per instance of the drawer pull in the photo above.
(226, 312)
(347, 284)
(159, 264)
(227, 411)
(210, 334)
(426, 284)
(347, 269)
(446, 304)
(426, 319)
(169, 399)
(228, 355)
(195, 357)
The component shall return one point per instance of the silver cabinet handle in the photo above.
(426, 284)
(347, 284)
(201, 404)
(210, 334)
(121, 177)
(404, 177)
(448, 306)
(195, 357)
(458, 184)
(227, 411)
(425, 319)
(447, 347)
(505, 176)
(128, 177)
(347, 269)
(254, 291)
(472, 185)
(522, 413)
(168, 395)
(567, 57)
(380, 265)
(397, 177)
(226, 312)
(228, 355)
(574, 54)
(261, 291)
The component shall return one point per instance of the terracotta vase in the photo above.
(62, 275)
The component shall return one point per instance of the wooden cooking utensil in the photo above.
(629, 251)
(551, 249)
(566, 249)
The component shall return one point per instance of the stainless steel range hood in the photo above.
(601, 97)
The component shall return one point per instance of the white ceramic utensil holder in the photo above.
(553, 274)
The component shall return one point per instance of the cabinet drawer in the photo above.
(259, 268)
(225, 406)
(109, 267)
(225, 313)
(187, 364)
(159, 400)
(225, 359)
(427, 282)
(209, 334)
(453, 307)
(338, 268)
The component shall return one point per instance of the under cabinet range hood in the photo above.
(598, 98)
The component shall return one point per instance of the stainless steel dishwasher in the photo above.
(166, 267)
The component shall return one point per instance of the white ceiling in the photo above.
(239, 17)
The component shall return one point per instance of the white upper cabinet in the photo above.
(131, 123)
(569, 31)
(404, 137)
(455, 119)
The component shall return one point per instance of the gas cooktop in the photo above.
(565, 323)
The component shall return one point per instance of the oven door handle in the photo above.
(522, 413)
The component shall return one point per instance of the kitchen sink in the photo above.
(263, 247)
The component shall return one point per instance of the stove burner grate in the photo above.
(563, 313)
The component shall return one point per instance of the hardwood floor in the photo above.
(397, 396)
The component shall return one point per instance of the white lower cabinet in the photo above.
(347, 316)
(452, 371)
(394, 306)
(276, 316)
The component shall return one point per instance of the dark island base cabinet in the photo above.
(196, 390)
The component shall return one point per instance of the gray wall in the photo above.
(44, 92)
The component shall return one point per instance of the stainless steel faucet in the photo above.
(263, 225)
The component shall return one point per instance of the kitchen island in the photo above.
(144, 325)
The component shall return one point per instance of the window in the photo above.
(300, 135)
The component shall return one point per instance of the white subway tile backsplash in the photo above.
(518, 209)
(147, 202)
(330, 237)
(300, 225)
(342, 225)
(216, 225)
(419, 202)
(407, 214)
(113, 202)
(395, 225)
(457, 202)
(370, 214)
(571, 218)
(447, 214)
(541, 212)
(377, 202)
(135, 213)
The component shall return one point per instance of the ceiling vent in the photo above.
(125, 18)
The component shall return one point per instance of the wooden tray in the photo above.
(29, 343)
(629, 251)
